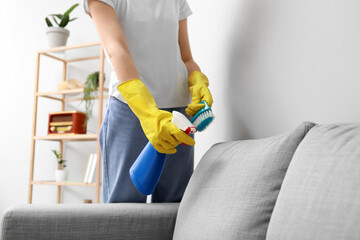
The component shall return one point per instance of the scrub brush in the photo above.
(203, 117)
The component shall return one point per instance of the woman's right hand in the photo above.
(157, 125)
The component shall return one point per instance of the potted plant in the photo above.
(90, 90)
(58, 35)
(61, 174)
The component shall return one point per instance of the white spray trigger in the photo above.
(182, 123)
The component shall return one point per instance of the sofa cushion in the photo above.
(320, 196)
(89, 221)
(234, 188)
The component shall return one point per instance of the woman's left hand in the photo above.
(198, 87)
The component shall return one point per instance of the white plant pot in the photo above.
(61, 175)
(57, 37)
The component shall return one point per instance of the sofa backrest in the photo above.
(233, 190)
(320, 195)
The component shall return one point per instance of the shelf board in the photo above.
(62, 48)
(51, 94)
(63, 137)
(52, 182)
(66, 91)
(53, 52)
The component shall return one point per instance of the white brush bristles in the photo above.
(202, 117)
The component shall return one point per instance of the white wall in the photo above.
(300, 60)
(271, 64)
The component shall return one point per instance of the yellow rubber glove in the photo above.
(156, 123)
(198, 86)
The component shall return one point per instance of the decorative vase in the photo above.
(57, 37)
(61, 175)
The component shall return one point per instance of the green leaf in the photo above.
(90, 87)
(59, 16)
(72, 19)
(48, 22)
(55, 20)
(64, 21)
(56, 154)
(71, 8)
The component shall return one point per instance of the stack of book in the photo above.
(90, 168)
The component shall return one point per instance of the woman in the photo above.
(146, 43)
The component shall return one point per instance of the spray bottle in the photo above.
(147, 168)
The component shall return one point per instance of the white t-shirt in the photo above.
(151, 32)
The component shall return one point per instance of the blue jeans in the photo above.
(121, 141)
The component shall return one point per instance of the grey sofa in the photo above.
(302, 184)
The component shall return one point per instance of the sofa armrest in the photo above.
(90, 221)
